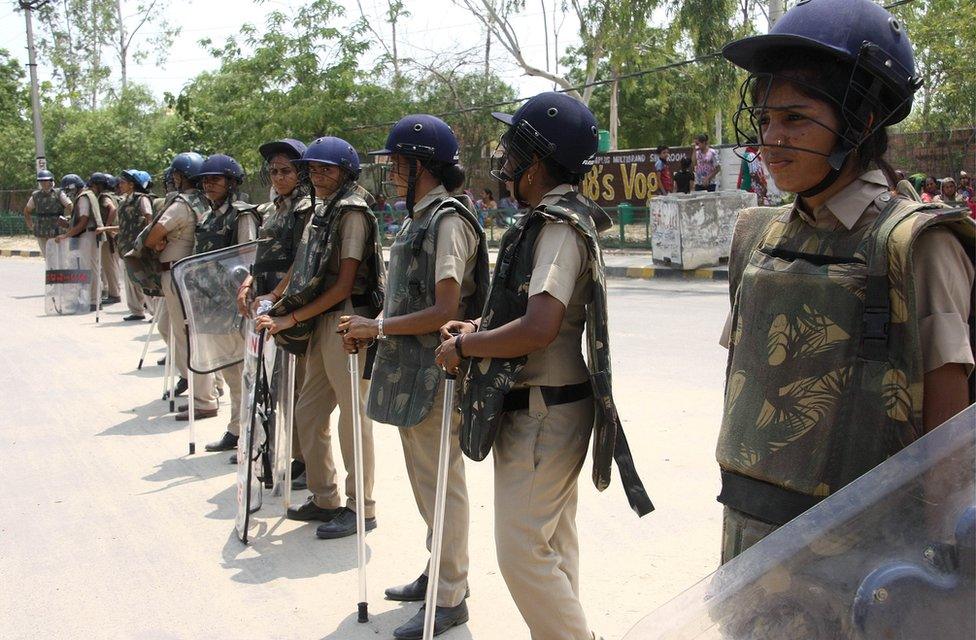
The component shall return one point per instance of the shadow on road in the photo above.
(293, 554)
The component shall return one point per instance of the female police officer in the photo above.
(530, 392)
(848, 337)
(283, 222)
(438, 272)
(338, 268)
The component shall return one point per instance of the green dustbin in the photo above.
(625, 213)
(603, 143)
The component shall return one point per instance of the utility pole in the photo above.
(776, 10)
(41, 159)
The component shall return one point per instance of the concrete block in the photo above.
(694, 230)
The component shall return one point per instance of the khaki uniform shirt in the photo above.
(560, 268)
(456, 252)
(181, 224)
(944, 275)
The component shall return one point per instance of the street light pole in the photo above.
(41, 159)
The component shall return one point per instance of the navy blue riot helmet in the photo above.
(551, 127)
(431, 145)
(72, 181)
(334, 151)
(43, 175)
(100, 179)
(187, 163)
(290, 147)
(220, 164)
(424, 136)
(851, 53)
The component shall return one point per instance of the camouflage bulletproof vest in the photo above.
(283, 231)
(219, 230)
(95, 219)
(131, 222)
(159, 204)
(310, 277)
(47, 210)
(824, 377)
(405, 379)
(489, 379)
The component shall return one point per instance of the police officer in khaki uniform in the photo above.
(283, 223)
(43, 209)
(849, 332)
(452, 267)
(86, 218)
(101, 184)
(135, 213)
(174, 236)
(228, 221)
(529, 391)
(337, 268)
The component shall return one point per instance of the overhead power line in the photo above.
(595, 83)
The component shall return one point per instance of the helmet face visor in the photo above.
(518, 148)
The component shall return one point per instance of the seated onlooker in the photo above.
(507, 202)
(930, 189)
(488, 200)
(683, 177)
(965, 188)
(948, 193)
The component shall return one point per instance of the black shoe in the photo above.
(181, 386)
(311, 511)
(133, 318)
(301, 482)
(228, 442)
(297, 468)
(444, 618)
(161, 362)
(111, 300)
(91, 307)
(342, 525)
(415, 591)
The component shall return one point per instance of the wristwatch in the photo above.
(379, 329)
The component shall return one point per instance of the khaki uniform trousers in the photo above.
(232, 377)
(538, 456)
(740, 531)
(421, 443)
(326, 386)
(204, 392)
(42, 245)
(296, 441)
(162, 324)
(135, 299)
(110, 269)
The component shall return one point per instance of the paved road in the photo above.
(108, 530)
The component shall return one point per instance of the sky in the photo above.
(433, 26)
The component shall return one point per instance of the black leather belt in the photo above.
(363, 300)
(518, 399)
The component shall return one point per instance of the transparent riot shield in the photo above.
(207, 285)
(284, 391)
(890, 556)
(68, 275)
(258, 419)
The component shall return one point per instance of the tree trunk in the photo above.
(123, 48)
(487, 55)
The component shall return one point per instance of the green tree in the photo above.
(945, 55)
(17, 159)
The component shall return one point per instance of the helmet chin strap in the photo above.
(412, 187)
(836, 161)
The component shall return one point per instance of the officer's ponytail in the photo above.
(452, 176)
